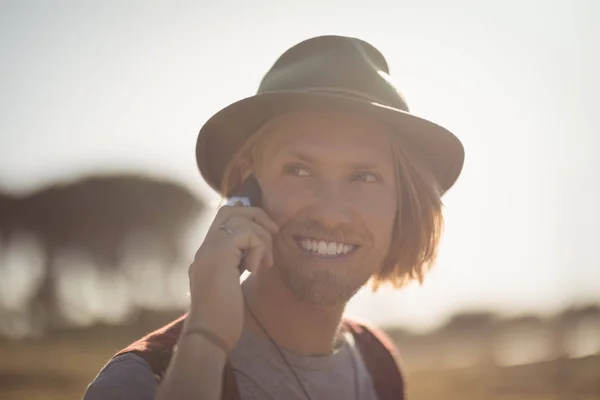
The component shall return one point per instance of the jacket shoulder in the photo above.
(381, 357)
(157, 347)
(366, 330)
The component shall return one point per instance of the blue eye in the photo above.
(295, 170)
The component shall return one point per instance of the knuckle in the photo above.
(226, 209)
(261, 213)
(268, 239)
(240, 233)
(266, 235)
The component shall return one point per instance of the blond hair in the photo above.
(419, 223)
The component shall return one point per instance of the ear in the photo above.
(245, 173)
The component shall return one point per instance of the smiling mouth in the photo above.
(324, 248)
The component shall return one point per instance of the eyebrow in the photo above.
(309, 159)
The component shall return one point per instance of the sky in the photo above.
(125, 86)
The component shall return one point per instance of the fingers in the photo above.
(249, 230)
(255, 240)
(255, 214)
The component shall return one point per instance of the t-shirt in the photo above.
(260, 371)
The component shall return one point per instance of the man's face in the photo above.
(328, 181)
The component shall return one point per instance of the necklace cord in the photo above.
(352, 356)
(277, 347)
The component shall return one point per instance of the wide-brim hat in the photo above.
(327, 73)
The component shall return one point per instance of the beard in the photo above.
(321, 286)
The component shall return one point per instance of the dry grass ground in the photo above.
(61, 369)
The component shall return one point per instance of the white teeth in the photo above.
(326, 248)
(331, 248)
(322, 247)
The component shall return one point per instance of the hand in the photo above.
(216, 294)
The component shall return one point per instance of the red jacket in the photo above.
(376, 348)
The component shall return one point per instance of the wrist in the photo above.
(208, 335)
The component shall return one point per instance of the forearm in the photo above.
(195, 372)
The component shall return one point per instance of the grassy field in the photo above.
(61, 369)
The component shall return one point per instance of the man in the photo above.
(351, 187)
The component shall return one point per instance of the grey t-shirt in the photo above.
(260, 371)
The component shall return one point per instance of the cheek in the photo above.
(281, 204)
(379, 214)
(382, 217)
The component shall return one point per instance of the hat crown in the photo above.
(335, 65)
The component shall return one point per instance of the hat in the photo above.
(327, 73)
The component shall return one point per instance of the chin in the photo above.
(320, 287)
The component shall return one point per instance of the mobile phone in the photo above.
(248, 193)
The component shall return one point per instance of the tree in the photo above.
(96, 216)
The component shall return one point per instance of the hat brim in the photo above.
(226, 131)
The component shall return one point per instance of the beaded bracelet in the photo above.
(208, 335)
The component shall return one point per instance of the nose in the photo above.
(330, 206)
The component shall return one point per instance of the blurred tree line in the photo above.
(101, 219)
